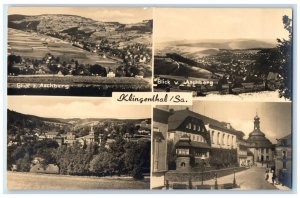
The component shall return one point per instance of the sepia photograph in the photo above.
(63, 143)
(222, 145)
(218, 52)
(79, 51)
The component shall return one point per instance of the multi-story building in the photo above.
(186, 129)
(283, 160)
(69, 138)
(159, 146)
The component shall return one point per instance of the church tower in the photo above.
(256, 122)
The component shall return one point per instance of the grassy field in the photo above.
(33, 45)
(32, 181)
(74, 85)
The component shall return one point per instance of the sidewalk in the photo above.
(278, 186)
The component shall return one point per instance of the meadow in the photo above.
(36, 46)
(33, 181)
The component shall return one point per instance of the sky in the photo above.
(275, 117)
(122, 15)
(219, 23)
(76, 107)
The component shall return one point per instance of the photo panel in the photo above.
(224, 52)
(63, 143)
(215, 145)
(79, 51)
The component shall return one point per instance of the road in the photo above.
(250, 179)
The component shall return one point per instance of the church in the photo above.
(261, 147)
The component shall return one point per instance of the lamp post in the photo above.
(234, 180)
(202, 168)
(216, 181)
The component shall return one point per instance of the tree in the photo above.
(285, 50)
(53, 68)
(98, 69)
(23, 165)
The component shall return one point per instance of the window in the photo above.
(228, 140)
(182, 151)
(212, 137)
(190, 125)
(182, 164)
(194, 127)
(218, 138)
(284, 159)
(199, 128)
(223, 139)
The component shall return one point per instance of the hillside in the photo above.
(19, 123)
(170, 67)
(74, 25)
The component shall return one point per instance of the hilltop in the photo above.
(72, 25)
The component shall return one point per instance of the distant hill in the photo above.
(22, 122)
(225, 44)
(18, 123)
(60, 23)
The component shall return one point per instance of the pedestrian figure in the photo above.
(273, 177)
(267, 176)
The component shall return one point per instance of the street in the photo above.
(250, 179)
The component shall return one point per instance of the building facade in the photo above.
(259, 145)
(283, 160)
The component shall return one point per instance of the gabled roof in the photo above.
(178, 117)
(287, 137)
(158, 135)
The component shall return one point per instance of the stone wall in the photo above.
(183, 163)
(181, 176)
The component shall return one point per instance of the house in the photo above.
(283, 160)
(51, 134)
(111, 74)
(187, 128)
(69, 138)
(48, 169)
(109, 141)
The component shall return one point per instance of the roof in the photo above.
(287, 137)
(249, 153)
(178, 117)
(258, 139)
(158, 135)
(243, 147)
(160, 116)
(285, 141)
(184, 143)
(51, 133)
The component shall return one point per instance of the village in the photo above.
(96, 136)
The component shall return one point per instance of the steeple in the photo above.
(256, 122)
(92, 130)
